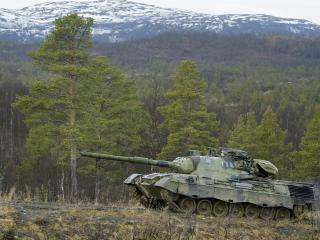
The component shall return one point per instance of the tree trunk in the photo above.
(73, 154)
(73, 165)
(97, 184)
(62, 186)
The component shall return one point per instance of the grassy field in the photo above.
(31, 220)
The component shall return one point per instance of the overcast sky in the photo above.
(307, 9)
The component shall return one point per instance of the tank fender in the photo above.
(131, 179)
(163, 182)
(153, 176)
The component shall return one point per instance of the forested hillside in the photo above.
(261, 91)
(205, 49)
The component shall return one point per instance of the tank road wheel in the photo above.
(283, 213)
(220, 209)
(236, 210)
(252, 211)
(204, 207)
(267, 213)
(188, 205)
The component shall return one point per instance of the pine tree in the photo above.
(110, 121)
(308, 166)
(270, 141)
(238, 135)
(243, 135)
(51, 108)
(186, 118)
(113, 118)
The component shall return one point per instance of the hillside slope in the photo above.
(208, 49)
(204, 48)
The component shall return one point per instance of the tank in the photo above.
(226, 183)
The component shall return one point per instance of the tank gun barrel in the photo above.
(139, 160)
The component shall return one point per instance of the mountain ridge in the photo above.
(120, 20)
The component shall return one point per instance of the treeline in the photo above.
(254, 93)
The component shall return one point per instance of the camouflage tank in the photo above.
(229, 183)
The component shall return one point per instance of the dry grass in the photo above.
(61, 221)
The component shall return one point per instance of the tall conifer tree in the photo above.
(270, 141)
(189, 124)
(243, 135)
(110, 120)
(52, 107)
(308, 166)
(237, 138)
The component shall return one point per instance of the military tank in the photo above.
(226, 183)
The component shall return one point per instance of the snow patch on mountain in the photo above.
(117, 20)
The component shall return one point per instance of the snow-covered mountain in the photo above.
(118, 20)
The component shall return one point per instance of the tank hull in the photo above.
(171, 189)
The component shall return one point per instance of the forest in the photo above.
(155, 98)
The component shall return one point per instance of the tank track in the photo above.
(218, 208)
(151, 203)
(213, 207)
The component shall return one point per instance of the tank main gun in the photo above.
(139, 160)
(181, 165)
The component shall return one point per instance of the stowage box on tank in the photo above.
(228, 183)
